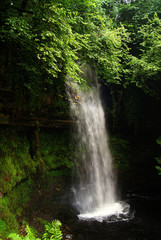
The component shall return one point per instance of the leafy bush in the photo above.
(52, 231)
(30, 235)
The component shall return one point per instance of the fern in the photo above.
(15, 236)
(30, 234)
(52, 231)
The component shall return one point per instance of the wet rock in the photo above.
(67, 237)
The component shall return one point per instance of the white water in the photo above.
(95, 192)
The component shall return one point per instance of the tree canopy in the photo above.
(44, 42)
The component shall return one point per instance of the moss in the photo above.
(3, 227)
(20, 196)
(11, 206)
(8, 219)
(15, 159)
(56, 150)
(18, 163)
(20, 169)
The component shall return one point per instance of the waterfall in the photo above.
(95, 188)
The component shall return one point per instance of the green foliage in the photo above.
(2, 227)
(8, 221)
(57, 173)
(15, 236)
(17, 164)
(31, 235)
(114, 55)
(12, 204)
(142, 20)
(132, 13)
(140, 65)
(52, 231)
(20, 196)
(56, 150)
(147, 68)
(16, 161)
(120, 149)
(48, 41)
(158, 158)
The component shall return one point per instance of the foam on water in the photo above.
(111, 213)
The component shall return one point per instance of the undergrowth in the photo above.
(12, 205)
(52, 231)
(56, 150)
(16, 163)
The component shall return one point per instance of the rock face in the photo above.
(88, 73)
(13, 113)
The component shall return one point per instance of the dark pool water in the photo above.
(146, 224)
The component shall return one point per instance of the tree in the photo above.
(147, 68)
(43, 43)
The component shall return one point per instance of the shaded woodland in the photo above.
(44, 44)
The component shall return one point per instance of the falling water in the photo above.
(95, 193)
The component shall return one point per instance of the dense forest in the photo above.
(43, 45)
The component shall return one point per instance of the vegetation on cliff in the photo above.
(44, 44)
